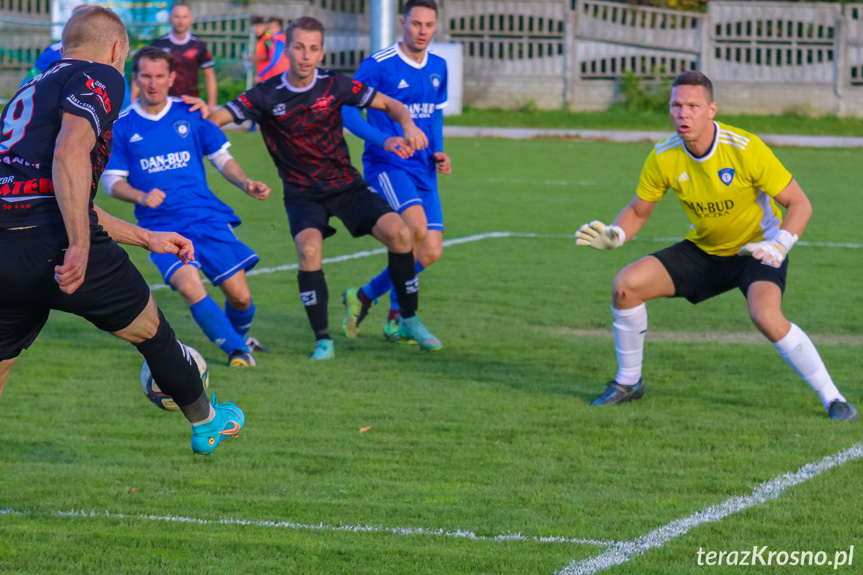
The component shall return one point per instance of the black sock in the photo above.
(174, 370)
(197, 411)
(404, 277)
(314, 295)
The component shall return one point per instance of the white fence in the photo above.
(763, 56)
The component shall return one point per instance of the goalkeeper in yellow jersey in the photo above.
(728, 182)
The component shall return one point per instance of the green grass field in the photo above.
(492, 436)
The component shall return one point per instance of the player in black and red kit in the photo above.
(299, 114)
(57, 249)
(189, 54)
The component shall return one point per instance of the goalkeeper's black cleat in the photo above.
(842, 410)
(618, 393)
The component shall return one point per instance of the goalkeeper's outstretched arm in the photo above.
(628, 223)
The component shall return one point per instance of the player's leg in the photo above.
(636, 284)
(313, 289)
(224, 259)
(394, 233)
(240, 308)
(115, 298)
(363, 211)
(27, 261)
(764, 300)
(358, 302)
(401, 194)
(178, 376)
(5, 368)
(427, 230)
(186, 279)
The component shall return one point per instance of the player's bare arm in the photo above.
(219, 116)
(72, 175)
(122, 190)
(798, 210)
(212, 87)
(627, 224)
(415, 137)
(123, 232)
(233, 172)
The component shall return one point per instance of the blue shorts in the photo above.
(402, 191)
(219, 253)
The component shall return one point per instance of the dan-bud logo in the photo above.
(165, 162)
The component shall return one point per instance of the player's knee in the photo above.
(419, 235)
(308, 252)
(399, 237)
(767, 320)
(624, 290)
(430, 254)
(240, 301)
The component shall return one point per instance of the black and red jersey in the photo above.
(302, 129)
(189, 56)
(30, 124)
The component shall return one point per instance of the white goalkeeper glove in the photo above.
(599, 236)
(771, 252)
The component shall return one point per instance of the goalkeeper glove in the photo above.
(599, 236)
(770, 252)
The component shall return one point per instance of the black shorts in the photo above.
(112, 296)
(358, 206)
(698, 276)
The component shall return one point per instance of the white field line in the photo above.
(486, 236)
(624, 551)
(618, 551)
(458, 533)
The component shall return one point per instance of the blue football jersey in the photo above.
(166, 151)
(419, 86)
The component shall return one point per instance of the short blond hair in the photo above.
(94, 28)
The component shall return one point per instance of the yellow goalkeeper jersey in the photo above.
(727, 193)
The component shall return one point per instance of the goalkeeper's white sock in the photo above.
(630, 325)
(800, 354)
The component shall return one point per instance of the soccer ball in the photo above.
(157, 396)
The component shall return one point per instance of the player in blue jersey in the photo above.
(58, 251)
(159, 147)
(407, 178)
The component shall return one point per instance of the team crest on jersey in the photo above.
(322, 103)
(435, 80)
(726, 175)
(182, 128)
(279, 110)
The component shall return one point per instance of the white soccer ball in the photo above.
(163, 400)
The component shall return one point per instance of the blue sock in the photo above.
(382, 284)
(379, 285)
(216, 326)
(394, 301)
(241, 320)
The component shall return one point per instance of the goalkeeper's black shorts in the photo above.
(698, 276)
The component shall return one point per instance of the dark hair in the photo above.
(257, 20)
(152, 53)
(279, 21)
(306, 23)
(411, 4)
(695, 78)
